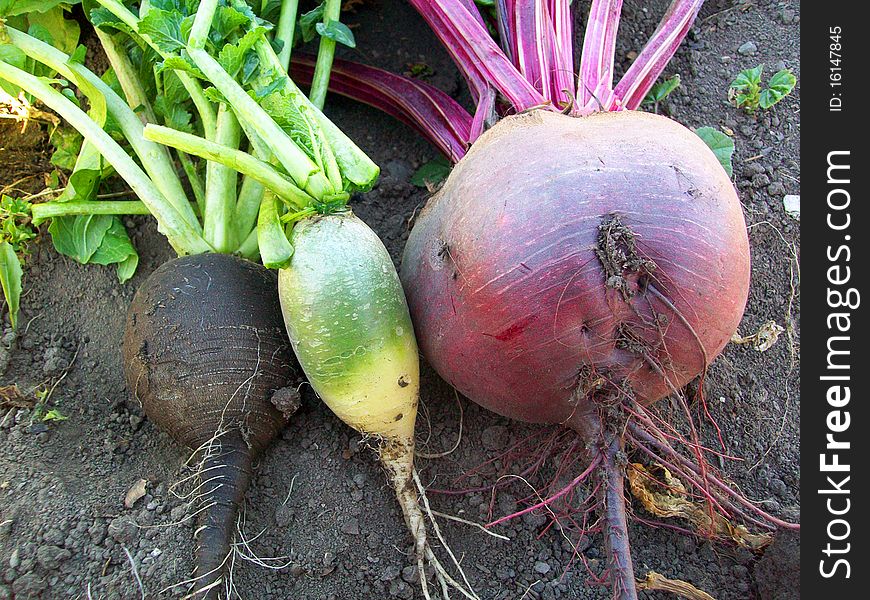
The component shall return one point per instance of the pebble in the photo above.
(760, 180)
(787, 16)
(748, 49)
(776, 189)
(51, 557)
(296, 570)
(541, 567)
(390, 573)
(54, 361)
(350, 527)
(778, 487)
(15, 559)
(410, 574)
(122, 530)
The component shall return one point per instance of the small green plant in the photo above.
(431, 174)
(53, 415)
(660, 91)
(746, 90)
(16, 231)
(721, 145)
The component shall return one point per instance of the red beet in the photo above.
(565, 255)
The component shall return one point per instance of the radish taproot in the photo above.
(205, 354)
(583, 260)
(348, 321)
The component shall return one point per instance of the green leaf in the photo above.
(10, 278)
(308, 22)
(662, 89)
(53, 415)
(104, 19)
(432, 173)
(185, 7)
(41, 33)
(80, 236)
(721, 145)
(84, 184)
(79, 55)
(337, 32)
(745, 89)
(174, 114)
(127, 268)
(226, 21)
(65, 32)
(214, 95)
(232, 56)
(11, 8)
(14, 56)
(780, 86)
(275, 249)
(747, 79)
(67, 143)
(116, 248)
(177, 63)
(164, 29)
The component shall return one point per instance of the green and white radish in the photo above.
(348, 322)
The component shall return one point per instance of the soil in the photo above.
(318, 497)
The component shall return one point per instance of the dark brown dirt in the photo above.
(318, 497)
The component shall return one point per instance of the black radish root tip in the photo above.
(207, 356)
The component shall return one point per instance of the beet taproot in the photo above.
(615, 249)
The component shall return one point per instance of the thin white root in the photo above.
(450, 517)
(427, 455)
(398, 458)
(467, 593)
(135, 572)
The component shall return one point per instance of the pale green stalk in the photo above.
(286, 30)
(49, 210)
(240, 161)
(325, 55)
(203, 106)
(220, 186)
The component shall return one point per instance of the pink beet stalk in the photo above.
(475, 52)
(426, 108)
(642, 75)
(599, 47)
(563, 51)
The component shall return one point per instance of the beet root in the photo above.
(205, 350)
(565, 251)
(574, 271)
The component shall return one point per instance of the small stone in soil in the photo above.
(542, 568)
(748, 49)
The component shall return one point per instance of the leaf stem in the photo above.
(240, 161)
(220, 185)
(286, 30)
(154, 158)
(49, 210)
(203, 106)
(297, 164)
(325, 55)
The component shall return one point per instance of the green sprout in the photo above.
(747, 92)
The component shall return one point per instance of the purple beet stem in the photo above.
(614, 526)
(536, 43)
